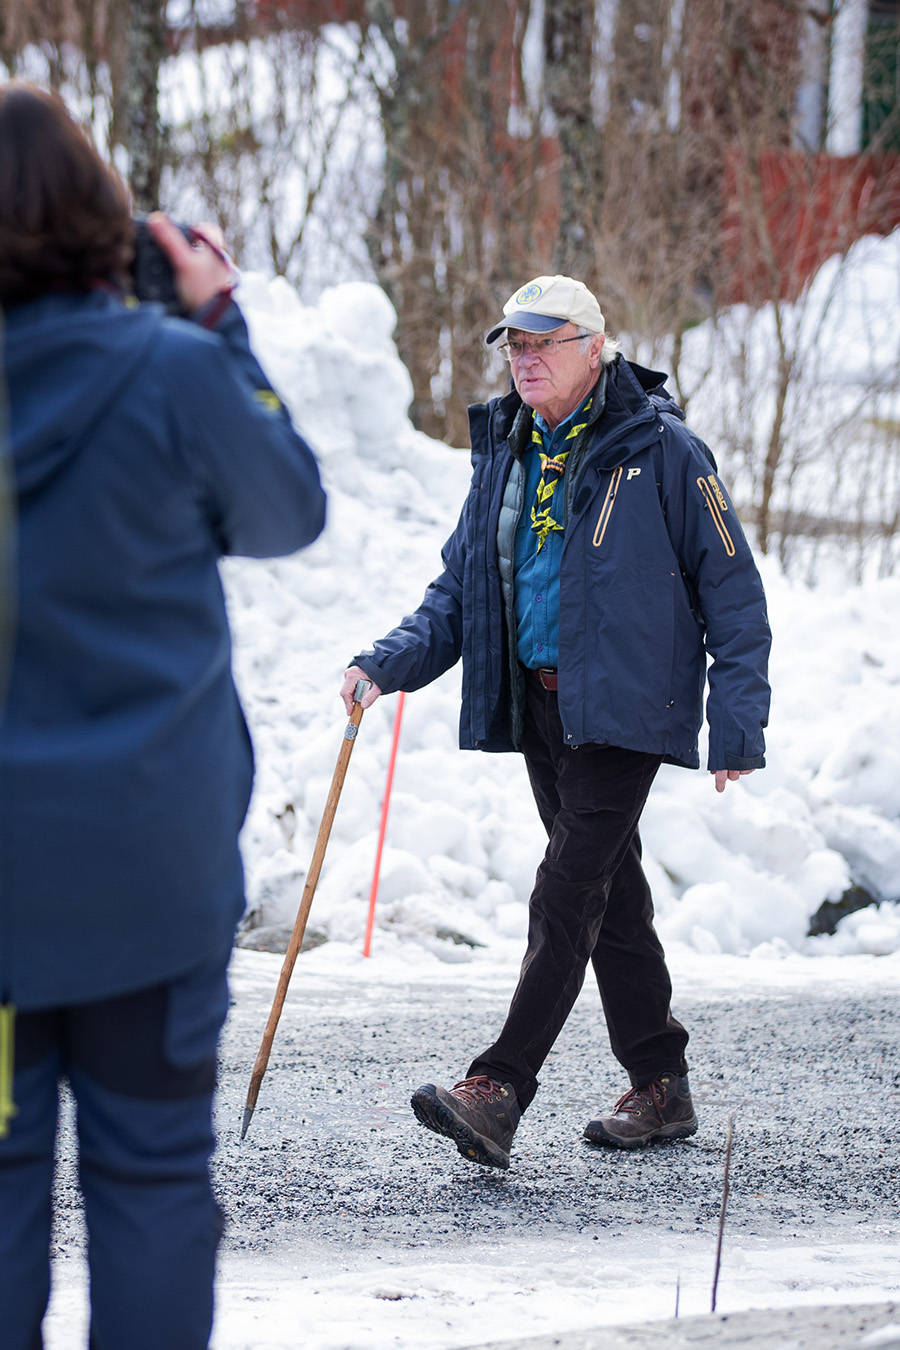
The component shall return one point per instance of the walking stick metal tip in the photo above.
(248, 1116)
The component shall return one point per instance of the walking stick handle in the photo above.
(309, 890)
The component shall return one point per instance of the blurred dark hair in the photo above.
(65, 215)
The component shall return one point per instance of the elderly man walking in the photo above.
(596, 564)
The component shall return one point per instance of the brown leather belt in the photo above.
(547, 677)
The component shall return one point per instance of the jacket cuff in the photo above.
(210, 314)
(744, 762)
(376, 673)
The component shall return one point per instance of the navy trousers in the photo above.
(591, 902)
(142, 1070)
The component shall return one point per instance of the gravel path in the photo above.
(338, 1202)
(813, 1081)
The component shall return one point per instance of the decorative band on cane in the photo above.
(350, 732)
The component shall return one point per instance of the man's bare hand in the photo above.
(351, 679)
(724, 776)
(202, 268)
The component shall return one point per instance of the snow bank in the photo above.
(738, 873)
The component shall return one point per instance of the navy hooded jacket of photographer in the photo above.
(143, 449)
(655, 573)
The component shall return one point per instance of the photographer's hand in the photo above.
(202, 269)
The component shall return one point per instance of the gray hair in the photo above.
(611, 347)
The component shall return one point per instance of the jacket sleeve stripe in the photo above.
(716, 514)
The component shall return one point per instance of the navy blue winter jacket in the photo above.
(655, 573)
(143, 448)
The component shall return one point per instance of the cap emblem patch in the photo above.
(528, 294)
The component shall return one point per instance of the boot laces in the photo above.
(473, 1091)
(636, 1100)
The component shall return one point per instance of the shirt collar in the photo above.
(544, 429)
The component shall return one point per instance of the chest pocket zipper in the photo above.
(609, 503)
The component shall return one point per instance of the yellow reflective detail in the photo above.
(606, 510)
(269, 399)
(8, 1107)
(719, 494)
(712, 502)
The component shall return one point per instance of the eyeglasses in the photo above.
(511, 351)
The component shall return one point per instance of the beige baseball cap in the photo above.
(547, 303)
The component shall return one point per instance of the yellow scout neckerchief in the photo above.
(552, 469)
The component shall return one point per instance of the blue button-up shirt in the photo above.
(537, 572)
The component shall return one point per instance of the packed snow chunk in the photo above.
(376, 386)
(823, 875)
(441, 924)
(706, 919)
(511, 919)
(461, 879)
(426, 828)
(287, 336)
(870, 844)
(361, 313)
(402, 875)
(275, 889)
(516, 855)
(882, 1338)
(489, 899)
(877, 939)
(776, 950)
(413, 900)
(775, 831)
(736, 915)
(864, 767)
(874, 930)
(682, 842)
(661, 888)
(343, 892)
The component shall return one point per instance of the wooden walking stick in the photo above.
(312, 878)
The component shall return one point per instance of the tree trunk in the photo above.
(146, 36)
(569, 32)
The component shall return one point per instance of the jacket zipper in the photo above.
(609, 503)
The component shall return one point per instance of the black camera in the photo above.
(152, 278)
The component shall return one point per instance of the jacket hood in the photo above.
(630, 381)
(79, 339)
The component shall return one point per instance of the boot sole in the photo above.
(431, 1112)
(595, 1133)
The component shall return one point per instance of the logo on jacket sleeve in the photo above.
(715, 502)
(268, 399)
(719, 494)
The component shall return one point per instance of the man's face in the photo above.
(554, 381)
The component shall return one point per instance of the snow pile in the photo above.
(741, 873)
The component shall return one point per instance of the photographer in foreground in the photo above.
(142, 449)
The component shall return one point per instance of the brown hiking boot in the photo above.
(479, 1115)
(661, 1110)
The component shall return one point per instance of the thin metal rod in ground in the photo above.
(726, 1187)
